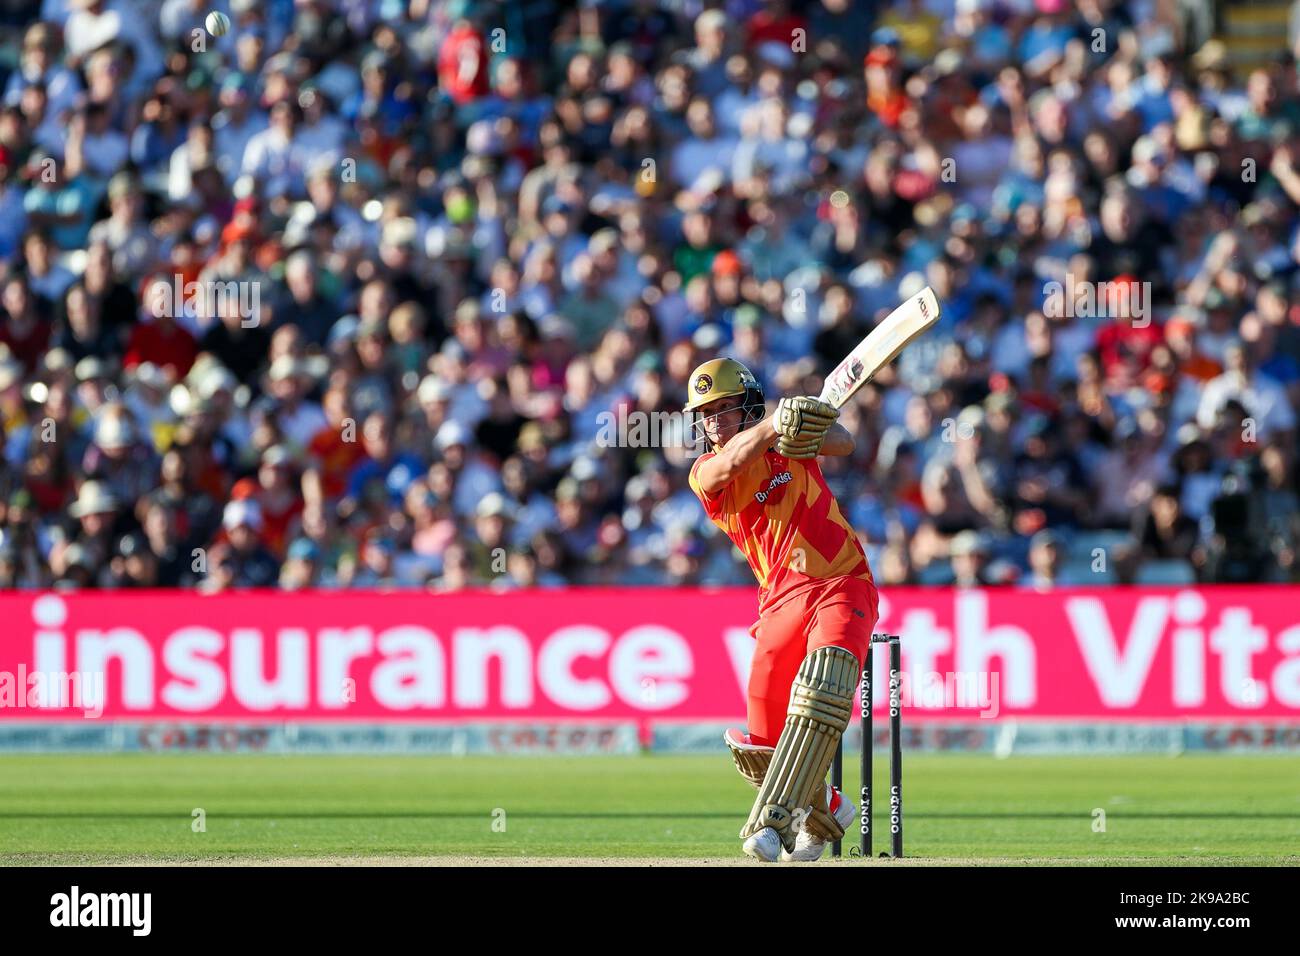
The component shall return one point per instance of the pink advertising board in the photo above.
(618, 654)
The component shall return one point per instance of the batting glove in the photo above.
(804, 418)
(800, 447)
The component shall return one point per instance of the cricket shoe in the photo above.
(808, 847)
(764, 845)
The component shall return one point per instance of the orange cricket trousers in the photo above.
(839, 612)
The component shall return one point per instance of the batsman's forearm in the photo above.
(739, 453)
(747, 446)
(838, 442)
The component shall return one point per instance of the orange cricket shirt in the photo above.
(784, 519)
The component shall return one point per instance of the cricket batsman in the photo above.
(761, 484)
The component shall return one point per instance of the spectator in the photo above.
(1044, 561)
(390, 470)
(301, 566)
(1162, 531)
(970, 560)
(251, 565)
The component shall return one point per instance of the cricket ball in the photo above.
(218, 23)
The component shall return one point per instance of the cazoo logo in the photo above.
(776, 482)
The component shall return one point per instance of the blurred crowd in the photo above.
(454, 240)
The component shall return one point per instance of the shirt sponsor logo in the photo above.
(776, 482)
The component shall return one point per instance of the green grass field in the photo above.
(135, 808)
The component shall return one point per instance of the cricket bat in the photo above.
(881, 346)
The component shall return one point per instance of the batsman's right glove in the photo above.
(799, 448)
